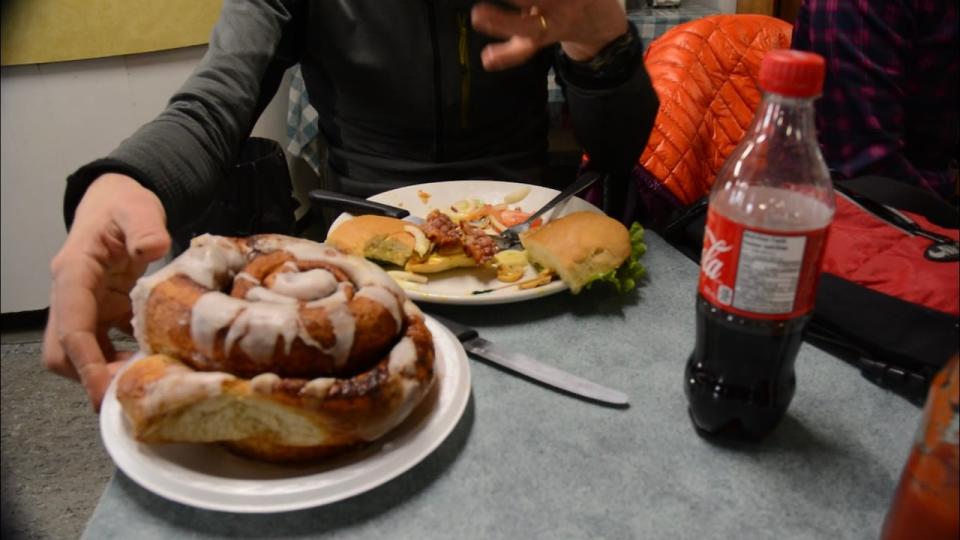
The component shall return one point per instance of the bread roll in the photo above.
(579, 247)
(377, 238)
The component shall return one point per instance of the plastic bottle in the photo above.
(770, 208)
(927, 501)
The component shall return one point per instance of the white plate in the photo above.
(456, 286)
(209, 477)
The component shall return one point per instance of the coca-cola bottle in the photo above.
(770, 208)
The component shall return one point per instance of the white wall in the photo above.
(56, 117)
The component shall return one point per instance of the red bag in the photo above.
(889, 296)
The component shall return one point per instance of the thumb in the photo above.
(144, 229)
(147, 244)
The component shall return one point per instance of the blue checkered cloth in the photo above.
(302, 117)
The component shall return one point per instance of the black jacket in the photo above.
(402, 98)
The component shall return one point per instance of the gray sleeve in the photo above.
(187, 150)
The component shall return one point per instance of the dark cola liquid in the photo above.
(740, 378)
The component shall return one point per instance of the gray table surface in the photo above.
(527, 462)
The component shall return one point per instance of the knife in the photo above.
(325, 198)
(534, 369)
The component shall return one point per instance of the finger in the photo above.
(84, 352)
(76, 315)
(114, 305)
(505, 24)
(119, 361)
(106, 346)
(144, 231)
(53, 357)
(513, 52)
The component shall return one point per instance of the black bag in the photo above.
(255, 198)
(896, 343)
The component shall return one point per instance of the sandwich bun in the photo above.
(378, 238)
(579, 247)
(390, 240)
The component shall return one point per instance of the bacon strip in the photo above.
(441, 230)
(477, 244)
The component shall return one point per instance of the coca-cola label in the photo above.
(759, 273)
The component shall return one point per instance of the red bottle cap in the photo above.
(792, 73)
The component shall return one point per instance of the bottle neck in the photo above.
(791, 117)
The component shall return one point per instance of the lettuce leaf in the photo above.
(626, 278)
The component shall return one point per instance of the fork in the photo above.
(509, 238)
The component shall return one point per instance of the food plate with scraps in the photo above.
(491, 205)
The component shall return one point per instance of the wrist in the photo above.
(584, 52)
(114, 173)
(112, 181)
(110, 188)
(611, 66)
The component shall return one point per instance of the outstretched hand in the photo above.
(118, 230)
(582, 27)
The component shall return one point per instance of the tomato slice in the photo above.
(513, 217)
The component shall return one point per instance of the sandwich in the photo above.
(377, 238)
(585, 248)
(437, 245)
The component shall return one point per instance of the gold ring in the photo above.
(543, 23)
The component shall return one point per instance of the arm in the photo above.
(117, 207)
(612, 107)
(187, 150)
(612, 102)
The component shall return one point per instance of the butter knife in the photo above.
(528, 367)
(323, 198)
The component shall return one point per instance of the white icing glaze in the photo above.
(210, 262)
(309, 285)
(247, 277)
(410, 308)
(260, 294)
(181, 387)
(257, 328)
(403, 358)
(212, 312)
(386, 299)
(255, 323)
(264, 383)
(339, 297)
(359, 270)
(318, 388)
(344, 328)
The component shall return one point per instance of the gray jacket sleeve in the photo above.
(187, 150)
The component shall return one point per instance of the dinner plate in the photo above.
(459, 286)
(209, 477)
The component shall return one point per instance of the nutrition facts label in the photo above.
(768, 271)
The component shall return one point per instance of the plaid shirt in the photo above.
(889, 104)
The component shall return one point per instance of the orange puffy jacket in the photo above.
(705, 74)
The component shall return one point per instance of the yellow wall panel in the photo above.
(39, 31)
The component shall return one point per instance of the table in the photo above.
(302, 129)
(528, 462)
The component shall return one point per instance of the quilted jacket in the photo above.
(705, 74)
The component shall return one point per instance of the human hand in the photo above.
(583, 28)
(118, 230)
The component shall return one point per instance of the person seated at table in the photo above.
(889, 103)
(402, 99)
